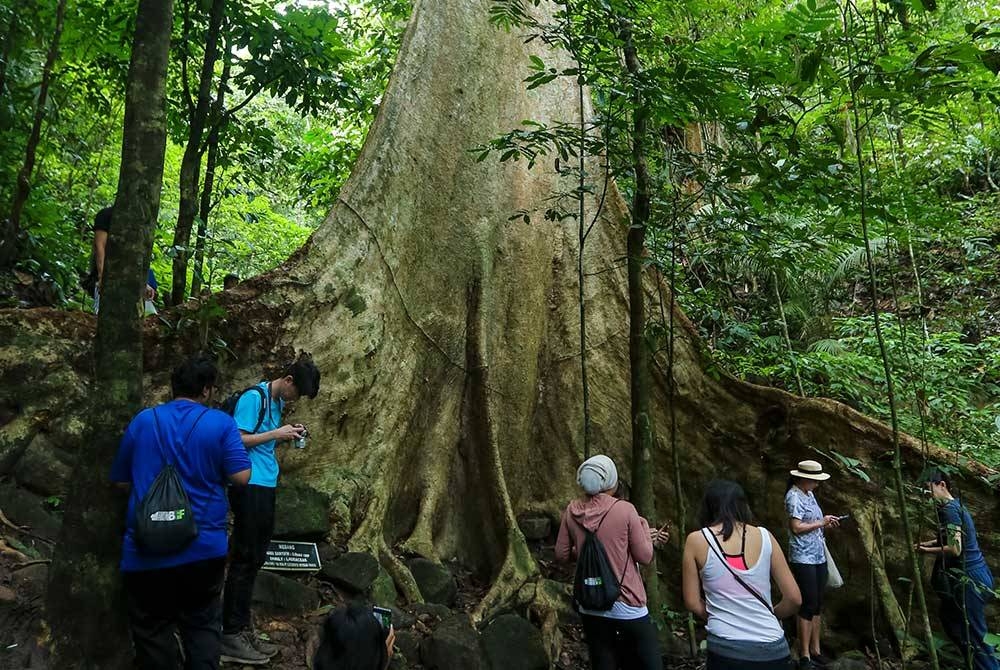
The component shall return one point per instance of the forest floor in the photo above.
(22, 591)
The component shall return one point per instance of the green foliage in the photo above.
(305, 84)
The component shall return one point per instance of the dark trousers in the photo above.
(964, 598)
(253, 525)
(183, 599)
(616, 644)
(716, 662)
(812, 582)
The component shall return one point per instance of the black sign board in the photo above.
(284, 555)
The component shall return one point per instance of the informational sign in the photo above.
(284, 555)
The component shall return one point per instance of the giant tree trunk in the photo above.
(84, 610)
(11, 230)
(191, 162)
(447, 336)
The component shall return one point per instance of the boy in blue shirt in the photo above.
(180, 592)
(259, 418)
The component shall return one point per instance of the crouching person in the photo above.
(177, 459)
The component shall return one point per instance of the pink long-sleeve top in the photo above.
(624, 534)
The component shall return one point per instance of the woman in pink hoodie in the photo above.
(623, 636)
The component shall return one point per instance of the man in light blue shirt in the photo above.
(259, 419)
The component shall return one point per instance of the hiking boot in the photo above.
(266, 648)
(239, 648)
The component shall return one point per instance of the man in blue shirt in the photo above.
(258, 416)
(961, 577)
(180, 592)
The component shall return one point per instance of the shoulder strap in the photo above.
(263, 405)
(605, 515)
(710, 537)
(159, 438)
(628, 551)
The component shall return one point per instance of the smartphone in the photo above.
(841, 518)
(383, 615)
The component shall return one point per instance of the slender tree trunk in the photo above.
(897, 461)
(85, 610)
(191, 163)
(205, 208)
(788, 338)
(639, 359)
(582, 238)
(9, 239)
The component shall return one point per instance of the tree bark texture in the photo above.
(9, 239)
(448, 340)
(84, 609)
(187, 208)
(205, 207)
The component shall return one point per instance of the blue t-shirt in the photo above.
(212, 453)
(808, 548)
(265, 464)
(951, 517)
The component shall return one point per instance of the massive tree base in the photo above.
(447, 337)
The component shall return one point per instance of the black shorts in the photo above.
(812, 582)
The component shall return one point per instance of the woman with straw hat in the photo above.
(807, 555)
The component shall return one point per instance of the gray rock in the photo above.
(454, 644)
(408, 644)
(27, 509)
(30, 582)
(512, 642)
(284, 593)
(430, 613)
(535, 527)
(848, 662)
(300, 512)
(436, 583)
(354, 571)
(401, 619)
(328, 553)
(43, 468)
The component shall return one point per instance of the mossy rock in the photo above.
(355, 572)
(436, 583)
(512, 642)
(301, 513)
(453, 644)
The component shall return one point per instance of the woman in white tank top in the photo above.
(732, 563)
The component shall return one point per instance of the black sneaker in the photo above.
(805, 663)
(820, 661)
(238, 648)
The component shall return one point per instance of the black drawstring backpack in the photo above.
(595, 586)
(164, 522)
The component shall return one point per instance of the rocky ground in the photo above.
(436, 635)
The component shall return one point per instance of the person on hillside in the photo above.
(353, 639)
(624, 636)
(258, 416)
(732, 563)
(94, 280)
(807, 555)
(961, 578)
(230, 281)
(180, 592)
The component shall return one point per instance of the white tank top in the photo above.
(733, 612)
